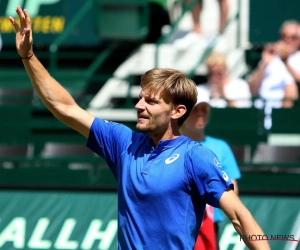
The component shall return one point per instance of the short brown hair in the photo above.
(173, 86)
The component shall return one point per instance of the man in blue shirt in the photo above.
(194, 127)
(164, 179)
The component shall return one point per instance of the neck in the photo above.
(168, 135)
(196, 135)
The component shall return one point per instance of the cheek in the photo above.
(158, 119)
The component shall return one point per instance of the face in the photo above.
(154, 114)
(290, 35)
(217, 74)
(198, 117)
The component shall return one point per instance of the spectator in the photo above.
(275, 77)
(196, 34)
(194, 127)
(223, 90)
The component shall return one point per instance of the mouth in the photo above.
(142, 117)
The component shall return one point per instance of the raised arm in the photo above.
(54, 96)
(256, 77)
(242, 220)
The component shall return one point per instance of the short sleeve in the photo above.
(205, 171)
(109, 140)
(288, 78)
(229, 163)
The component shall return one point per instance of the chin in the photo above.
(141, 127)
(144, 128)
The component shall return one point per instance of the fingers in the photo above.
(21, 16)
(27, 33)
(27, 19)
(14, 23)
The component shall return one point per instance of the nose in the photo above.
(140, 104)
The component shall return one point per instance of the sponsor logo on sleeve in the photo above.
(217, 163)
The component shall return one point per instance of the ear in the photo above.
(178, 111)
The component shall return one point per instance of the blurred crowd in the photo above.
(275, 80)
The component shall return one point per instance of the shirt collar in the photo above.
(168, 143)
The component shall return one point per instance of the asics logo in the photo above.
(217, 163)
(172, 158)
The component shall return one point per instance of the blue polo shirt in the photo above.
(162, 191)
(227, 159)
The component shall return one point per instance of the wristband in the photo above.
(27, 58)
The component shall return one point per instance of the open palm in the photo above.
(23, 33)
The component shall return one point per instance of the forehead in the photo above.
(292, 28)
(217, 67)
(150, 94)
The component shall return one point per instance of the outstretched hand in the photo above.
(23, 33)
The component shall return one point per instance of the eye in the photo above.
(151, 101)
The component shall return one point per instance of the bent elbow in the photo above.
(63, 112)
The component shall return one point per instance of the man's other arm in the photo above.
(242, 220)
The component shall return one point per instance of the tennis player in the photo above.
(164, 179)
